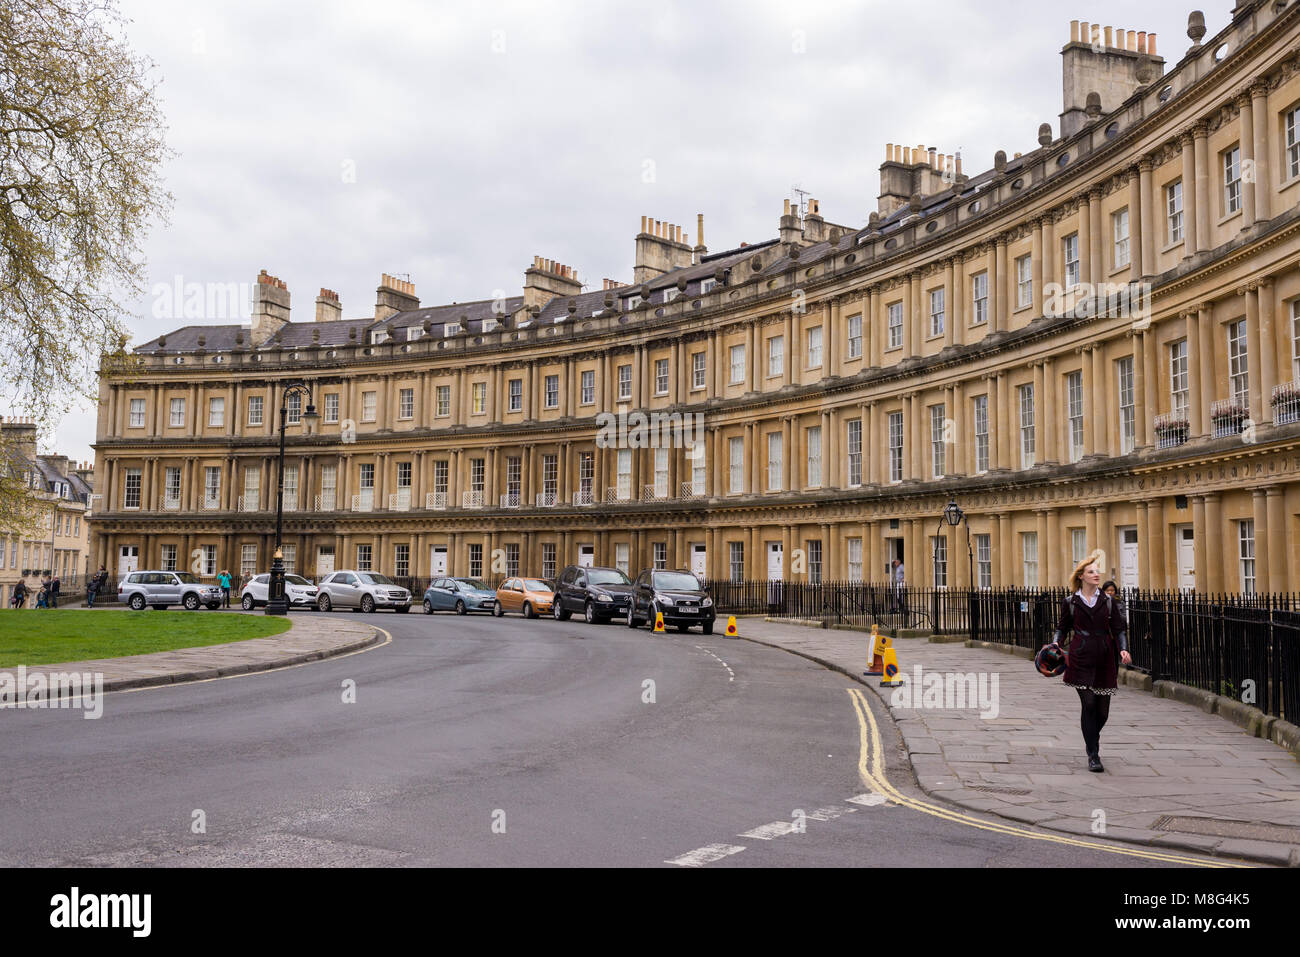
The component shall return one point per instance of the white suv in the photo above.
(361, 591)
(298, 592)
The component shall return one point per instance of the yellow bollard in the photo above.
(659, 623)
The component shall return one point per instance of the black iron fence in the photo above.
(1245, 647)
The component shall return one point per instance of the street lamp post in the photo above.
(952, 517)
(276, 603)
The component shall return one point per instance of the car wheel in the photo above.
(428, 607)
(367, 605)
(497, 610)
(558, 612)
(650, 618)
(191, 602)
(324, 604)
(631, 618)
(528, 611)
(590, 612)
(137, 602)
(248, 603)
(460, 607)
(708, 628)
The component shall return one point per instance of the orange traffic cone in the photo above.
(731, 627)
(877, 662)
(659, 623)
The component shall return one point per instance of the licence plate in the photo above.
(688, 610)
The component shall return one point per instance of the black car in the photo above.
(598, 593)
(678, 595)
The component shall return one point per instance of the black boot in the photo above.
(1094, 762)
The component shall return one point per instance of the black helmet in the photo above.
(1050, 660)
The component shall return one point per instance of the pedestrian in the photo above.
(1112, 590)
(1099, 642)
(54, 592)
(900, 587)
(96, 586)
(20, 594)
(224, 581)
(42, 597)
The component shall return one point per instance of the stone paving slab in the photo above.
(310, 638)
(1162, 756)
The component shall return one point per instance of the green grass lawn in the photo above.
(50, 636)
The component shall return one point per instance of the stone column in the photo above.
(1044, 555)
(1253, 344)
(1098, 255)
(1102, 389)
(1085, 237)
(1140, 423)
(1005, 551)
(1043, 429)
(1150, 222)
(1279, 572)
(998, 279)
(909, 315)
(1208, 383)
(1190, 238)
(1036, 263)
(949, 289)
(1003, 415)
(1201, 155)
(1269, 347)
(1156, 553)
(1200, 534)
(1263, 536)
(1214, 540)
(1091, 426)
(1263, 160)
(1137, 224)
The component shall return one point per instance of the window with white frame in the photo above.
(477, 474)
(671, 293)
(814, 552)
(177, 413)
(1293, 142)
(775, 462)
(1295, 340)
(813, 449)
(1074, 412)
(211, 486)
(478, 401)
(979, 284)
(660, 554)
(737, 363)
(1231, 180)
(1024, 281)
(289, 553)
(209, 560)
(622, 561)
(443, 398)
(698, 360)
(365, 554)
(293, 409)
(1027, 445)
(586, 474)
(1078, 545)
(1119, 232)
(939, 549)
(131, 490)
(855, 337)
(1178, 394)
(853, 555)
(475, 559)
(983, 562)
(550, 476)
(1029, 555)
(414, 332)
(169, 558)
(515, 395)
(1070, 256)
(623, 474)
(736, 464)
(937, 457)
(981, 403)
(369, 403)
(254, 410)
(776, 356)
(896, 446)
(216, 412)
(1246, 554)
(552, 384)
(331, 407)
(895, 313)
(1127, 409)
(661, 377)
(1238, 364)
(1174, 211)
(696, 455)
(736, 560)
(853, 451)
(248, 559)
(137, 414)
(624, 383)
(402, 559)
(661, 472)
(403, 475)
(936, 311)
(172, 485)
(548, 559)
(814, 347)
(589, 387)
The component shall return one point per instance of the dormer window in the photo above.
(706, 285)
(413, 332)
(631, 302)
(671, 293)
(451, 329)
(378, 336)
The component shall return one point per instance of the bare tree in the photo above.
(81, 147)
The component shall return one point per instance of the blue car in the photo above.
(461, 595)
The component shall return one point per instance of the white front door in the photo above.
(128, 560)
(438, 561)
(324, 562)
(775, 562)
(586, 556)
(1128, 557)
(1186, 540)
(699, 561)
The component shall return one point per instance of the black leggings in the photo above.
(1096, 709)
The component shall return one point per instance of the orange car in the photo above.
(527, 596)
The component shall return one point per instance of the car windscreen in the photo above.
(474, 583)
(188, 578)
(296, 580)
(676, 581)
(535, 584)
(372, 579)
(607, 576)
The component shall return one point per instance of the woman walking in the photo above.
(1099, 642)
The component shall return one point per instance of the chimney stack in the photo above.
(328, 307)
(662, 247)
(393, 296)
(1112, 62)
(546, 279)
(270, 307)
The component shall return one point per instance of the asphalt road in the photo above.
(482, 742)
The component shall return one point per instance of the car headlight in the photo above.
(707, 603)
(603, 596)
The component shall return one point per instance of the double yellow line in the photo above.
(872, 770)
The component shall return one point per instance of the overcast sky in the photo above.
(328, 142)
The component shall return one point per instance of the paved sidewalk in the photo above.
(309, 639)
(1175, 776)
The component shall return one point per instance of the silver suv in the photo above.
(160, 589)
(363, 591)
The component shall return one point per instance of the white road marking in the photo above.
(731, 674)
(705, 855)
(830, 813)
(769, 831)
(868, 800)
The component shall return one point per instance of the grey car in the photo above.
(160, 589)
(361, 591)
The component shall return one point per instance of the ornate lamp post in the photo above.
(953, 516)
(276, 603)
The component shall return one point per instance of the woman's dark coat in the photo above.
(1100, 633)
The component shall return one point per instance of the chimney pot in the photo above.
(1151, 44)
(1110, 37)
(1142, 41)
(1131, 41)
(1074, 31)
